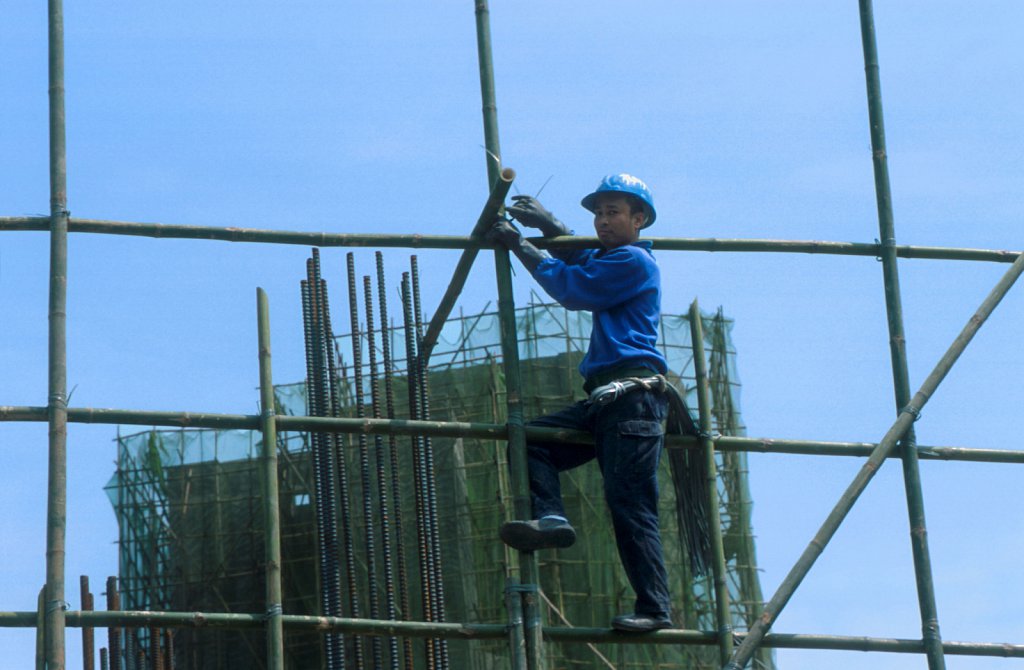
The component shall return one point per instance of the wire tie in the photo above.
(915, 412)
(269, 413)
(58, 399)
(522, 588)
(273, 611)
(54, 605)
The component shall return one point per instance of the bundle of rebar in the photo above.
(320, 400)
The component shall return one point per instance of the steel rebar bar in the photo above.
(396, 489)
(422, 530)
(88, 635)
(906, 418)
(337, 448)
(113, 632)
(369, 534)
(430, 476)
(384, 507)
(327, 544)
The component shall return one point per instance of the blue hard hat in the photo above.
(629, 185)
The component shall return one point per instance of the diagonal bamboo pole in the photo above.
(495, 201)
(722, 616)
(897, 347)
(906, 418)
(271, 512)
(56, 513)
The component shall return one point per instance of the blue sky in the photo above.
(747, 119)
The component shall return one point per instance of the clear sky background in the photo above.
(747, 119)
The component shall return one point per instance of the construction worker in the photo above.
(621, 286)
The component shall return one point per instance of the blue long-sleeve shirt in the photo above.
(621, 287)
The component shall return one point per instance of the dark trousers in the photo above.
(628, 438)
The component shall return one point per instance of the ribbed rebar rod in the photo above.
(384, 507)
(906, 418)
(271, 509)
(327, 544)
(430, 476)
(113, 629)
(88, 635)
(57, 476)
(337, 450)
(529, 571)
(422, 536)
(396, 489)
(723, 618)
(369, 534)
(897, 345)
(380, 240)
(495, 201)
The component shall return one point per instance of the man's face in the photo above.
(614, 225)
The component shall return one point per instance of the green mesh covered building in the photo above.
(191, 539)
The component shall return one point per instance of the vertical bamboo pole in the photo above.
(722, 616)
(271, 511)
(529, 573)
(897, 346)
(56, 513)
(113, 632)
(490, 105)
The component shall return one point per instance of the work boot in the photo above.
(641, 623)
(545, 533)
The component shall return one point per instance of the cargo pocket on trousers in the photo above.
(639, 446)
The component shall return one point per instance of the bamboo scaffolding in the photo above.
(415, 241)
(271, 512)
(475, 631)
(897, 346)
(722, 615)
(906, 418)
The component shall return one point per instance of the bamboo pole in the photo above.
(488, 431)
(529, 572)
(906, 418)
(722, 615)
(897, 346)
(487, 95)
(324, 239)
(495, 201)
(476, 631)
(88, 635)
(271, 511)
(56, 513)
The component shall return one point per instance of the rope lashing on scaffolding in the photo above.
(688, 476)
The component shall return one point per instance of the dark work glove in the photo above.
(504, 233)
(508, 236)
(529, 212)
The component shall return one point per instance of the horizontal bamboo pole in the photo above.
(103, 618)
(323, 239)
(488, 431)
